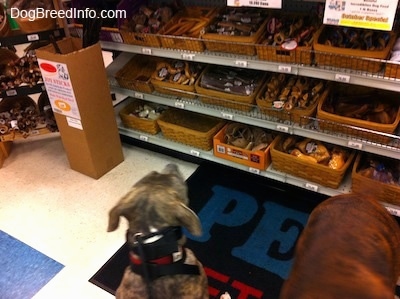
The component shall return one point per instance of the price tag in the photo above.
(393, 211)
(138, 95)
(311, 187)
(195, 153)
(227, 115)
(285, 69)
(254, 170)
(342, 78)
(282, 128)
(179, 105)
(241, 63)
(146, 51)
(32, 37)
(144, 138)
(356, 145)
(187, 56)
(35, 132)
(11, 92)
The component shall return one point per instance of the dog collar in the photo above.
(162, 257)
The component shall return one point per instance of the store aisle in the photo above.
(63, 214)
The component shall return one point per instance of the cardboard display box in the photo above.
(78, 89)
(256, 159)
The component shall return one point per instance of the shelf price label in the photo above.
(144, 138)
(195, 153)
(282, 128)
(32, 37)
(356, 145)
(11, 92)
(188, 56)
(179, 105)
(342, 78)
(285, 68)
(227, 115)
(310, 186)
(138, 95)
(256, 3)
(254, 170)
(241, 63)
(146, 51)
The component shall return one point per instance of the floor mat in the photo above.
(23, 270)
(250, 227)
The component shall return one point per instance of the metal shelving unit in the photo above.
(340, 75)
(270, 172)
(253, 117)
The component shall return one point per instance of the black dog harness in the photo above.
(162, 257)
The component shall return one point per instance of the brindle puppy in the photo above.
(350, 248)
(157, 201)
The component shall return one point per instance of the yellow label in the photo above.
(365, 24)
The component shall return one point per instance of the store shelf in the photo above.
(270, 173)
(252, 62)
(20, 135)
(23, 90)
(254, 117)
(17, 38)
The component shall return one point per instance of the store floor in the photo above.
(63, 214)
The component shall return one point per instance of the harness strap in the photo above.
(154, 271)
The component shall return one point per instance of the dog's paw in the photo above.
(225, 296)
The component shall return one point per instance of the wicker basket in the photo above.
(136, 74)
(300, 55)
(312, 172)
(185, 40)
(361, 60)
(189, 128)
(297, 115)
(242, 45)
(356, 127)
(142, 124)
(381, 191)
(228, 100)
(176, 89)
(392, 69)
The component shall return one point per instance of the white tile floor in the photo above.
(63, 213)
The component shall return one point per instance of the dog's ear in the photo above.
(188, 219)
(120, 209)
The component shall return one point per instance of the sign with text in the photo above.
(368, 14)
(59, 88)
(256, 3)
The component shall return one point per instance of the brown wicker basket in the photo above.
(316, 173)
(242, 45)
(136, 74)
(176, 89)
(356, 127)
(228, 100)
(381, 191)
(189, 128)
(300, 55)
(362, 60)
(297, 115)
(201, 16)
(142, 124)
(392, 69)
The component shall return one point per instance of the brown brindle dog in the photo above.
(156, 209)
(350, 248)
